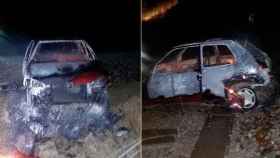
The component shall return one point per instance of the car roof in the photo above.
(211, 41)
(57, 41)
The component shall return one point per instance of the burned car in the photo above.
(60, 72)
(66, 94)
(237, 71)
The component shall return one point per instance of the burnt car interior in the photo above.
(187, 59)
(217, 55)
(59, 52)
(59, 58)
(180, 60)
(49, 69)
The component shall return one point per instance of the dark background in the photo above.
(112, 28)
(107, 26)
(189, 22)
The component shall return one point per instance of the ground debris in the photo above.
(187, 126)
(106, 144)
(256, 134)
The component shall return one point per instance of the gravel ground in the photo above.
(188, 126)
(11, 73)
(3, 124)
(256, 134)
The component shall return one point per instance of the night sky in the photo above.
(188, 22)
(108, 27)
(115, 26)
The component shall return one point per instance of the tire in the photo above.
(250, 96)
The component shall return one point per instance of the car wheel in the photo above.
(249, 96)
(247, 93)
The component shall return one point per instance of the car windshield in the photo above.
(57, 58)
(59, 52)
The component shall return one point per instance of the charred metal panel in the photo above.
(214, 77)
(63, 91)
(72, 120)
(161, 85)
(186, 83)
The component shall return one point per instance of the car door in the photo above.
(187, 76)
(218, 65)
(161, 81)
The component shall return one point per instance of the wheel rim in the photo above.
(249, 97)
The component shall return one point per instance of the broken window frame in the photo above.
(81, 43)
(178, 57)
(197, 57)
(90, 53)
(26, 60)
(33, 47)
(155, 70)
(216, 49)
(42, 44)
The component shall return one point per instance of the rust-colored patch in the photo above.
(261, 133)
(86, 77)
